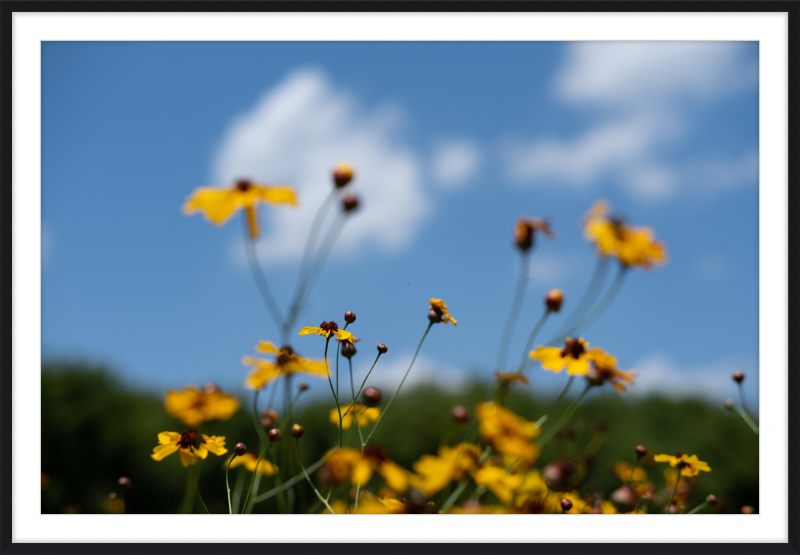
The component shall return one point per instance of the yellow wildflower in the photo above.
(194, 406)
(605, 370)
(623, 471)
(220, 204)
(500, 482)
(633, 246)
(365, 415)
(574, 356)
(524, 231)
(440, 309)
(286, 362)
(433, 472)
(249, 461)
(507, 432)
(328, 330)
(192, 446)
(358, 467)
(689, 466)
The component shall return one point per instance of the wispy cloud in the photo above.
(296, 133)
(455, 163)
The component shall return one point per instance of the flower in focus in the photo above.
(358, 467)
(192, 446)
(328, 330)
(574, 356)
(249, 460)
(193, 406)
(524, 231)
(286, 362)
(689, 466)
(438, 307)
(435, 472)
(508, 433)
(220, 204)
(605, 370)
(633, 246)
(365, 415)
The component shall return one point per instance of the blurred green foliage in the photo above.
(95, 430)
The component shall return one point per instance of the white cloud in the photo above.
(455, 162)
(388, 375)
(295, 134)
(644, 92)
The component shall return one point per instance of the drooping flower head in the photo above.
(328, 330)
(194, 406)
(364, 415)
(524, 232)
(286, 362)
(192, 446)
(574, 356)
(219, 204)
(508, 433)
(633, 246)
(439, 312)
(689, 466)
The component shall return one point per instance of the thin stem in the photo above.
(237, 489)
(741, 397)
(598, 276)
(248, 507)
(188, 500)
(633, 467)
(310, 483)
(600, 307)
(564, 419)
(288, 483)
(197, 489)
(262, 435)
(353, 402)
(531, 338)
(228, 484)
(554, 406)
(255, 471)
(454, 496)
(355, 416)
(747, 419)
(261, 281)
(673, 492)
(513, 314)
(699, 508)
(389, 404)
(324, 252)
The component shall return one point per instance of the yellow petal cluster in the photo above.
(633, 246)
(508, 433)
(194, 406)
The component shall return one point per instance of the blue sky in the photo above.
(451, 143)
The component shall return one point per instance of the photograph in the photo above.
(428, 277)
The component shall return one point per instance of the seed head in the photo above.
(275, 435)
(349, 317)
(382, 348)
(553, 300)
(297, 431)
(566, 505)
(240, 449)
(372, 396)
(738, 376)
(460, 414)
(342, 175)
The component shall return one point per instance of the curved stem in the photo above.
(355, 416)
(228, 484)
(454, 496)
(600, 307)
(262, 435)
(554, 406)
(513, 314)
(353, 402)
(598, 276)
(699, 508)
(747, 419)
(255, 471)
(389, 404)
(197, 489)
(531, 338)
(288, 483)
(564, 418)
(308, 479)
(741, 397)
(261, 281)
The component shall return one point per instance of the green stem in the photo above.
(228, 484)
(699, 508)
(389, 404)
(536, 329)
(310, 483)
(288, 483)
(747, 419)
(554, 406)
(261, 281)
(197, 489)
(262, 435)
(673, 492)
(741, 397)
(564, 418)
(454, 496)
(601, 306)
(255, 471)
(586, 300)
(353, 402)
(513, 314)
(237, 488)
(632, 469)
(355, 416)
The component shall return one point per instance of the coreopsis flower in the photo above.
(358, 467)
(249, 460)
(194, 406)
(499, 481)
(508, 433)
(286, 362)
(574, 356)
(220, 204)
(192, 446)
(604, 369)
(688, 466)
(363, 414)
(435, 472)
(328, 330)
(633, 246)
(524, 231)
(623, 471)
(439, 310)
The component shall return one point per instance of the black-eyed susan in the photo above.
(439, 312)
(363, 414)
(508, 433)
(286, 362)
(249, 460)
(192, 446)
(193, 406)
(633, 246)
(328, 330)
(525, 231)
(688, 466)
(358, 467)
(219, 204)
(575, 356)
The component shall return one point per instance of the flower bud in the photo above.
(211, 387)
(435, 315)
(460, 414)
(372, 396)
(566, 505)
(240, 449)
(275, 435)
(560, 475)
(641, 451)
(674, 510)
(348, 349)
(712, 499)
(302, 386)
(738, 376)
(297, 431)
(748, 510)
(125, 482)
(382, 348)
(349, 317)
(729, 406)
(269, 413)
(349, 202)
(553, 300)
(342, 175)
(594, 377)
(266, 421)
(624, 497)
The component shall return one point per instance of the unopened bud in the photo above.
(674, 510)
(211, 387)
(748, 510)
(240, 449)
(738, 376)
(566, 505)
(729, 406)
(302, 386)
(342, 175)
(349, 202)
(349, 317)
(594, 377)
(348, 349)
(125, 482)
(435, 315)
(460, 414)
(297, 431)
(624, 497)
(269, 413)
(382, 348)
(553, 300)
(275, 435)
(641, 451)
(712, 499)
(372, 396)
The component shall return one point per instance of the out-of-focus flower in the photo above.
(633, 246)
(689, 466)
(192, 446)
(440, 309)
(342, 174)
(623, 471)
(364, 414)
(435, 472)
(524, 231)
(114, 505)
(358, 467)
(553, 300)
(249, 461)
(574, 356)
(220, 204)
(505, 379)
(328, 330)
(286, 362)
(604, 370)
(194, 406)
(508, 433)
(499, 481)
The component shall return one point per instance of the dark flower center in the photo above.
(376, 452)
(618, 225)
(286, 353)
(329, 326)
(243, 185)
(573, 348)
(189, 438)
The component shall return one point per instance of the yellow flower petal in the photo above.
(187, 457)
(162, 451)
(396, 477)
(217, 204)
(279, 194)
(362, 472)
(267, 347)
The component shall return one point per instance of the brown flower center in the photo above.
(376, 452)
(189, 438)
(618, 225)
(286, 354)
(329, 326)
(573, 348)
(243, 185)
